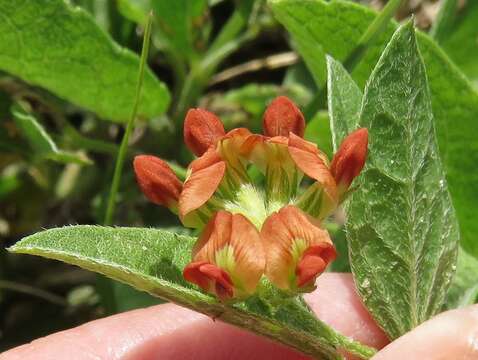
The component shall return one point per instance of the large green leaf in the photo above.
(318, 27)
(401, 226)
(464, 287)
(152, 261)
(59, 47)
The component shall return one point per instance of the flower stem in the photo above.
(110, 209)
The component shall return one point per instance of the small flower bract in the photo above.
(258, 200)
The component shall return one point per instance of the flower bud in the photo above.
(297, 249)
(282, 117)
(202, 129)
(157, 181)
(350, 159)
(228, 259)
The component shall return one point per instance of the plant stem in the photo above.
(226, 42)
(129, 127)
(30, 290)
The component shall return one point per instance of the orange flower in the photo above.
(249, 228)
(228, 259)
(285, 159)
(157, 181)
(297, 249)
(350, 159)
(213, 178)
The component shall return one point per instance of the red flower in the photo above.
(350, 159)
(283, 117)
(202, 129)
(157, 181)
(228, 259)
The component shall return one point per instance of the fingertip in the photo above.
(335, 301)
(450, 335)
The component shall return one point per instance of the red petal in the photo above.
(206, 175)
(202, 129)
(156, 180)
(350, 158)
(313, 263)
(282, 117)
(210, 278)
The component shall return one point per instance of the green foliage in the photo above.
(59, 47)
(335, 28)
(41, 143)
(152, 260)
(464, 288)
(344, 101)
(135, 10)
(460, 41)
(401, 226)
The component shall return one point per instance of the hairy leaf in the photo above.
(319, 27)
(153, 260)
(344, 101)
(464, 287)
(60, 48)
(401, 225)
(41, 143)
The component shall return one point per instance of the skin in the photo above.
(170, 332)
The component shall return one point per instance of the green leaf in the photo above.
(59, 47)
(461, 40)
(318, 27)
(40, 142)
(344, 101)
(464, 287)
(401, 226)
(152, 260)
(134, 10)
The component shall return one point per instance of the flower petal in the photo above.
(350, 159)
(291, 239)
(312, 162)
(210, 278)
(229, 149)
(232, 243)
(206, 175)
(157, 181)
(202, 129)
(314, 261)
(282, 117)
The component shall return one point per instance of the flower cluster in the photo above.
(258, 200)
